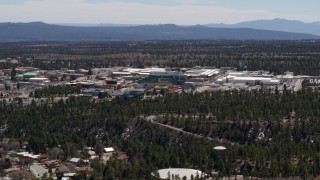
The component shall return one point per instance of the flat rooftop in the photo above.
(38, 170)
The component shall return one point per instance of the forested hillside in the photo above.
(267, 134)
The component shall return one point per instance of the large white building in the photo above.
(138, 71)
(39, 80)
(249, 80)
(202, 73)
(192, 73)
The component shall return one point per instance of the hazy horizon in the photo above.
(138, 24)
(181, 12)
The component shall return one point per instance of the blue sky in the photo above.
(156, 11)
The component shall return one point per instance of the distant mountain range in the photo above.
(38, 31)
(276, 25)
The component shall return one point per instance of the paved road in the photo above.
(151, 119)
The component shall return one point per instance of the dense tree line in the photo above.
(51, 91)
(267, 134)
(301, 57)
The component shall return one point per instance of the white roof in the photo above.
(39, 78)
(219, 148)
(27, 154)
(275, 80)
(237, 73)
(202, 72)
(163, 173)
(38, 170)
(91, 152)
(249, 78)
(70, 174)
(75, 160)
(145, 70)
(109, 149)
(132, 69)
(85, 83)
(94, 157)
(154, 70)
(144, 73)
(121, 73)
(210, 72)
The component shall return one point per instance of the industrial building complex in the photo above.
(127, 82)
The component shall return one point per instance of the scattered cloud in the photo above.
(157, 2)
(133, 12)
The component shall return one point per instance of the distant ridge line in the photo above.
(39, 31)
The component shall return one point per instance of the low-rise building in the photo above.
(38, 170)
(39, 80)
